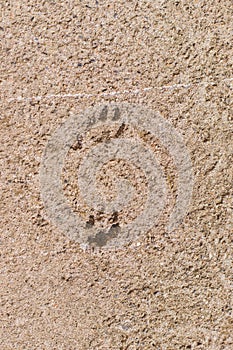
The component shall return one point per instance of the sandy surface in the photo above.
(170, 291)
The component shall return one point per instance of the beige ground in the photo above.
(173, 291)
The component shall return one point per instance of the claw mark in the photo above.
(90, 222)
(78, 143)
(120, 130)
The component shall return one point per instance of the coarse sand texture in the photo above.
(116, 166)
